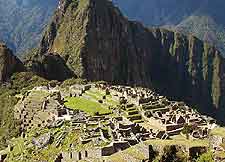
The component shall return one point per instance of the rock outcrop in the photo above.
(96, 42)
(8, 63)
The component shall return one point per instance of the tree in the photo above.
(187, 130)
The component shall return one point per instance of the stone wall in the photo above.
(108, 150)
(215, 141)
(194, 152)
(81, 155)
(172, 127)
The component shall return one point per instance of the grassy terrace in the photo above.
(133, 115)
(185, 142)
(97, 95)
(220, 154)
(132, 153)
(135, 152)
(86, 105)
(218, 131)
(22, 152)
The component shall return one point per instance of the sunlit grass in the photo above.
(87, 106)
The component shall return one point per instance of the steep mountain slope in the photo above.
(178, 14)
(182, 15)
(8, 63)
(96, 42)
(22, 22)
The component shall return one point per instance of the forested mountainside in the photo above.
(92, 40)
(22, 22)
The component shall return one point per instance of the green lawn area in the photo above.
(218, 131)
(130, 152)
(19, 146)
(86, 105)
(97, 95)
(220, 154)
(177, 141)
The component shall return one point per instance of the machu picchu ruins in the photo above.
(104, 121)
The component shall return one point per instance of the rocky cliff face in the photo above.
(8, 63)
(96, 42)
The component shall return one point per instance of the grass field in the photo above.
(97, 95)
(177, 141)
(130, 154)
(218, 131)
(86, 105)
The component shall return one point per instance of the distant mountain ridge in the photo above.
(206, 28)
(164, 12)
(187, 16)
(22, 22)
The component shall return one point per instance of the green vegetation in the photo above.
(20, 83)
(9, 127)
(185, 142)
(206, 157)
(187, 130)
(24, 151)
(218, 131)
(98, 95)
(220, 154)
(72, 81)
(130, 152)
(88, 106)
(135, 153)
(70, 45)
(26, 81)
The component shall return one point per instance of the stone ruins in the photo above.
(140, 115)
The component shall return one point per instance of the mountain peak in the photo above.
(69, 30)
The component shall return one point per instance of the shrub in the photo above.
(54, 83)
(96, 113)
(206, 157)
(72, 81)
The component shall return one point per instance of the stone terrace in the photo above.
(138, 114)
(150, 108)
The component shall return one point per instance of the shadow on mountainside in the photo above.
(50, 66)
(201, 85)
